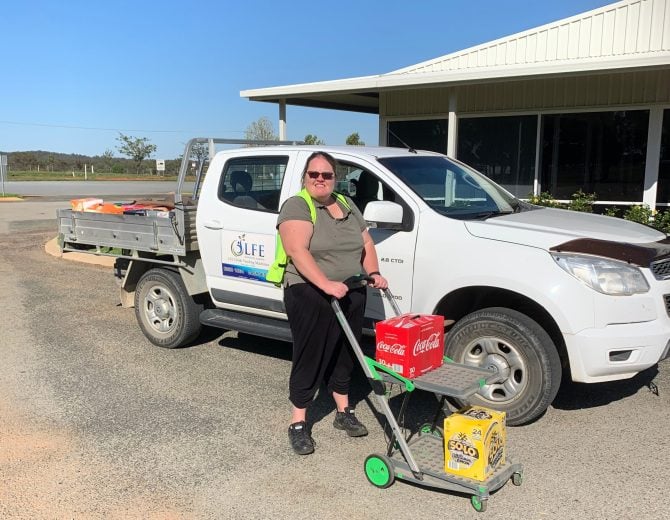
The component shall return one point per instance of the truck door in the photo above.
(365, 183)
(245, 215)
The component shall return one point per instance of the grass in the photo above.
(8, 195)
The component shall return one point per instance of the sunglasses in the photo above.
(325, 175)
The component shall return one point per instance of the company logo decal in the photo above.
(240, 246)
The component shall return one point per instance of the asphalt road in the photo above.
(97, 423)
(68, 189)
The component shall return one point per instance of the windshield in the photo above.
(451, 188)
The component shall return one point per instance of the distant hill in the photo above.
(40, 160)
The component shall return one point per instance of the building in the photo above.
(581, 103)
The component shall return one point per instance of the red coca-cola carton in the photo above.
(411, 344)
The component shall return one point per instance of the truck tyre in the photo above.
(521, 351)
(166, 313)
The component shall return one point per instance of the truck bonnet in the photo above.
(547, 228)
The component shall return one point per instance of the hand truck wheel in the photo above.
(427, 429)
(479, 503)
(379, 471)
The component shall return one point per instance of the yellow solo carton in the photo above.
(474, 440)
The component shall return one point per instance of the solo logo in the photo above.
(240, 247)
(461, 447)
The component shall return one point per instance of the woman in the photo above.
(323, 255)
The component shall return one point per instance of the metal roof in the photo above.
(626, 35)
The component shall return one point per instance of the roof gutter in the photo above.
(394, 81)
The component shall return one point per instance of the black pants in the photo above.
(320, 348)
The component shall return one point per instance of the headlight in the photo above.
(603, 275)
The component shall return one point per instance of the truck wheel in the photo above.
(166, 313)
(521, 351)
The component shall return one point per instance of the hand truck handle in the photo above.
(358, 280)
(361, 280)
(389, 296)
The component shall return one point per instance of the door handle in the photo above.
(212, 224)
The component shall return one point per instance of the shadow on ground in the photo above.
(577, 396)
(256, 345)
(421, 408)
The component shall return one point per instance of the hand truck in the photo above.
(420, 458)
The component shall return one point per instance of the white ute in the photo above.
(534, 292)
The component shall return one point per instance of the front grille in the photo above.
(666, 299)
(661, 269)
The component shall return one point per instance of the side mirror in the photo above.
(383, 214)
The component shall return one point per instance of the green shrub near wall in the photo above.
(584, 202)
(544, 199)
(662, 221)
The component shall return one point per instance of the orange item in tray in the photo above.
(107, 207)
(95, 205)
(85, 204)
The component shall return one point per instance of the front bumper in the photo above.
(616, 351)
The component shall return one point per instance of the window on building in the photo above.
(502, 148)
(253, 182)
(427, 134)
(598, 152)
(663, 191)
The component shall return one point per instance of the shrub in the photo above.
(641, 214)
(544, 199)
(662, 221)
(582, 201)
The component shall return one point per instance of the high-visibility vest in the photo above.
(276, 271)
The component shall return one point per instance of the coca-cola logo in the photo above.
(396, 348)
(424, 345)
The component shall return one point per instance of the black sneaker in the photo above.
(300, 439)
(347, 421)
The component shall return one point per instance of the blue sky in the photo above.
(75, 73)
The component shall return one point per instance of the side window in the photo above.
(361, 185)
(253, 182)
(364, 187)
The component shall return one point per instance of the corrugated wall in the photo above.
(597, 91)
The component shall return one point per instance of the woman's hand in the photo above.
(379, 281)
(335, 289)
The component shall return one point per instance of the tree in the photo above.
(355, 140)
(31, 160)
(312, 139)
(137, 148)
(261, 130)
(199, 152)
(108, 160)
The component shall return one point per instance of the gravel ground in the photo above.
(97, 423)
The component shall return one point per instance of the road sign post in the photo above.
(3, 169)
